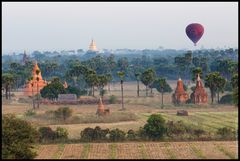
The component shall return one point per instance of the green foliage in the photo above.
(234, 82)
(117, 135)
(49, 135)
(195, 72)
(161, 85)
(18, 137)
(97, 134)
(155, 127)
(30, 112)
(228, 87)
(112, 99)
(226, 99)
(73, 90)
(46, 134)
(131, 135)
(63, 113)
(148, 76)
(226, 133)
(61, 133)
(52, 90)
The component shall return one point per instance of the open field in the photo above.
(141, 150)
(209, 116)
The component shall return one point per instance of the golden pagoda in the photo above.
(92, 46)
(33, 87)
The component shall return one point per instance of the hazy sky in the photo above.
(63, 26)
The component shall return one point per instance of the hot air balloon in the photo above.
(194, 31)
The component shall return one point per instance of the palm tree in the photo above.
(137, 75)
(37, 72)
(7, 81)
(121, 76)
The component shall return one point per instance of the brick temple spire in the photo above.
(180, 95)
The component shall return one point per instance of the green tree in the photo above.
(109, 79)
(137, 76)
(195, 72)
(147, 78)
(234, 82)
(212, 81)
(92, 80)
(18, 137)
(102, 81)
(221, 83)
(155, 127)
(52, 90)
(162, 86)
(7, 82)
(121, 76)
(38, 72)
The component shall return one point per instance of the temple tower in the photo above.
(199, 96)
(180, 95)
(92, 46)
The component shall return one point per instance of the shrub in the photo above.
(18, 136)
(226, 99)
(117, 135)
(46, 134)
(63, 113)
(112, 99)
(131, 135)
(97, 134)
(30, 112)
(155, 127)
(87, 134)
(226, 133)
(61, 133)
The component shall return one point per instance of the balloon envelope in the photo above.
(194, 31)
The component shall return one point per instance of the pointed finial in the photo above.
(198, 77)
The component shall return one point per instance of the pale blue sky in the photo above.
(64, 26)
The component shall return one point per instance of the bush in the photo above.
(112, 99)
(18, 137)
(63, 113)
(226, 99)
(117, 135)
(30, 112)
(131, 135)
(97, 134)
(61, 133)
(46, 134)
(226, 133)
(175, 128)
(155, 127)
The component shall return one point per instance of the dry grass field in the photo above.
(211, 117)
(141, 150)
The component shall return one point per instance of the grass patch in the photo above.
(227, 153)
(58, 154)
(113, 148)
(197, 152)
(85, 152)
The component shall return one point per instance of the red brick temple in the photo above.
(199, 96)
(180, 95)
(32, 85)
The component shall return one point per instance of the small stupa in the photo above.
(199, 96)
(180, 95)
(101, 110)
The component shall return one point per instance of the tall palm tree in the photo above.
(137, 75)
(32, 83)
(37, 72)
(7, 81)
(121, 76)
